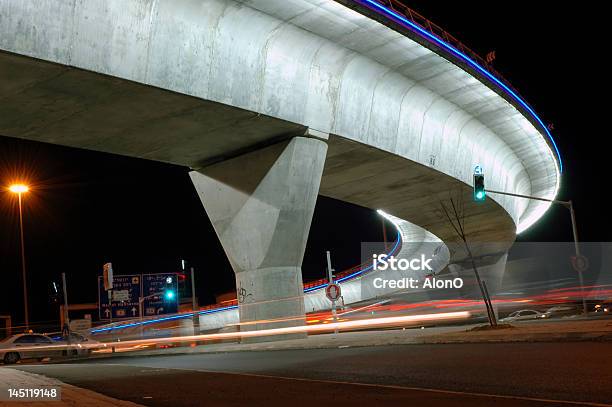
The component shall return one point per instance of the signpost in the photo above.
(135, 295)
(107, 275)
(153, 284)
(580, 263)
(332, 291)
(122, 301)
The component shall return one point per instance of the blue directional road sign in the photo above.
(160, 284)
(125, 293)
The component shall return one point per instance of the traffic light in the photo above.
(170, 289)
(169, 295)
(479, 188)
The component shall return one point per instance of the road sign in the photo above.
(332, 291)
(580, 263)
(125, 294)
(108, 276)
(159, 284)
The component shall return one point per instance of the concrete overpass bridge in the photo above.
(271, 102)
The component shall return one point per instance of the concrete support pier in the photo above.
(261, 206)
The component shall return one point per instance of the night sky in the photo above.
(88, 208)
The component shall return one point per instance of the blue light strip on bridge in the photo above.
(153, 321)
(429, 36)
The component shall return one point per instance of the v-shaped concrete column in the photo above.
(261, 207)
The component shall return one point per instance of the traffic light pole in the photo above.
(569, 205)
(194, 306)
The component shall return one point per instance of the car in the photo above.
(76, 343)
(28, 346)
(561, 311)
(522, 315)
(602, 307)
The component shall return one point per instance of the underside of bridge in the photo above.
(269, 103)
(56, 104)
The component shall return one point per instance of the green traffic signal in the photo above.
(479, 188)
(169, 295)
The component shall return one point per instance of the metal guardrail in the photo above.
(399, 7)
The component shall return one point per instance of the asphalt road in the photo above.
(510, 374)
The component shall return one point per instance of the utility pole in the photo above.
(569, 205)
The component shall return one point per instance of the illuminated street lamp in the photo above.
(20, 189)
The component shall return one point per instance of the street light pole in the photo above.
(20, 189)
(25, 285)
(23, 266)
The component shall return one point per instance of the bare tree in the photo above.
(457, 221)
